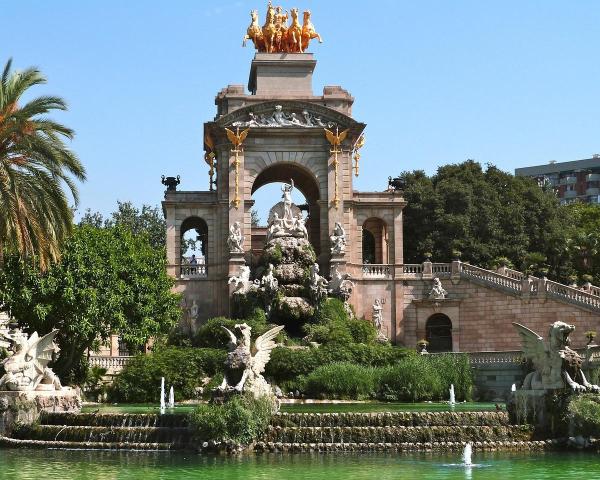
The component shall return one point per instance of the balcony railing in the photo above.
(113, 365)
(376, 270)
(193, 271)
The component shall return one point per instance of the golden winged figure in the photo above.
(237, 138)
(336, 140)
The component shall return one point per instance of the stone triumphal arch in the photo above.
(279, 130)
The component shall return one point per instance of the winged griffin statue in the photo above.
(244, 365)
(556, 365)
(27, 367)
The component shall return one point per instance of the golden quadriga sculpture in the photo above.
(276, 36)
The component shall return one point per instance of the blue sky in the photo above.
(513, 83)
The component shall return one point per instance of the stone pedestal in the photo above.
(282, 73)
(25, 407)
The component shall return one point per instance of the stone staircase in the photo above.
(397, 431)
(104, 432)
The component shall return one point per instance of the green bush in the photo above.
(184, 368)
(242, 419)
(287, 365)
(212, 335)
(413, 379)
(584, 410)
(426, 377)
(332, 325)
(341, 380)
(454, 369)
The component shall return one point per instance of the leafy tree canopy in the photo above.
(148, 221)
(109, 280)
(485, 214)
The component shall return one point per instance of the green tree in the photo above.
(485, 214)
(108, 281)
(583, 239)
(148, 221)
(35, 163)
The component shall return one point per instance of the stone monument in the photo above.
(557, 368)
(29, 386)
(243, 369)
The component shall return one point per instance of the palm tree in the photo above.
(35, 165)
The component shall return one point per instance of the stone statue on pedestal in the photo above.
(437, 292)
(341, 286)
(235, 241)
(27, 367)
(318, 285)
(378, 315)
(338, 239)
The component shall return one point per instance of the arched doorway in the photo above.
(306, 183)
(193, 240)
(374, 247)
(438, 332)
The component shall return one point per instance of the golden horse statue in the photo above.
(308, 31)
(294, 33)
(254, 33)
(269, 29)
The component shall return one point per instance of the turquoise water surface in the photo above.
(104, 465)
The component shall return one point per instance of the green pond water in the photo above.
(61, 464)
(314, 407)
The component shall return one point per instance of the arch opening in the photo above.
(306, 195)
(438, 332)
(193, 240)
(374, 241)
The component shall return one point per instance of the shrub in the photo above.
(287, 365)
(184, 368)
(341, 380)
(426, 377)
(413, 379)
(332, 325)
(584, 410)
(211, 333)
(241, 419)
(454, 369)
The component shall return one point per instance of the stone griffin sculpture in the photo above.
(244, 365)
(275, 36)
(27, 368)
(556, 365)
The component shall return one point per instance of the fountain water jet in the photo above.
(467, 453)
(513, 388)
(162, 395)
(452, 396)
(171, 398)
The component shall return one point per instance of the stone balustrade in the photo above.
(192, 271)
(571, 294)
(376, 271)
(509, 280)
(412, 269)
(490, 277)
(113, 365)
